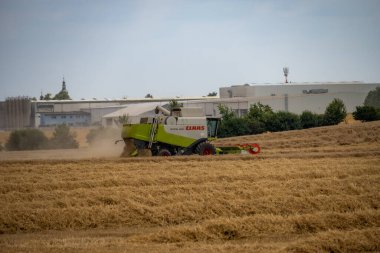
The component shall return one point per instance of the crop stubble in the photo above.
(286, 202)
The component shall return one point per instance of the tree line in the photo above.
(261, 118)
(32, 139)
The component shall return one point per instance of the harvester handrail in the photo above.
(153, 131)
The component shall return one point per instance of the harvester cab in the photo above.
(182, 131)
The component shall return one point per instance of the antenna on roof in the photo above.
(286, 72)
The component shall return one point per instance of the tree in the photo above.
(335, 112)
(309, 119)
(148, 95)
(226, 112)
(26, 139)
(366, 113)
(212, 94)
(373, 98)
(47, 97)
(257, 116)
(259, 112)
(234, 127)
(257, 127)
(123, 119)
(283, 121)
(62, 138)
(174, 104)
(62, 95)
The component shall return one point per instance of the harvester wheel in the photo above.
(164, 152)
(205, 148)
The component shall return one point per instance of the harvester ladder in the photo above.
(153, 132)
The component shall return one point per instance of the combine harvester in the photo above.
(183, 131)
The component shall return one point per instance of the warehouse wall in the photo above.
(16, 113)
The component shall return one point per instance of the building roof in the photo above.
(133, 110)
(123, 101)
(300, 84)
(66, 113)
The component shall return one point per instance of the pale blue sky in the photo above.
(111, 49)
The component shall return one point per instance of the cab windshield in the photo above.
(212, 127)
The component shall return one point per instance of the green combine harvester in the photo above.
(183, 131)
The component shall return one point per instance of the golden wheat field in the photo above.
(313, 190)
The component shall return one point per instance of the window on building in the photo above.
(243, 112)
(63, 117)
(53, 117)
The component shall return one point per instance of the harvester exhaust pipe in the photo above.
(162, 109)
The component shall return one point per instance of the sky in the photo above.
(168, 48)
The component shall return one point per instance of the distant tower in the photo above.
(64, 85)
(286, 72)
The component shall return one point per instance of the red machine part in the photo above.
(253, 148)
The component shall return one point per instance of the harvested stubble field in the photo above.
(313, 190)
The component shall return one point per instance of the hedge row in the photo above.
(261, 118)
(30, 139)
(366, 113)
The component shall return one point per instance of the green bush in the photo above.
(283, 121)
(258, 116)
(261, 118)
(366, 113)
(373, 98)
(234, 127)
(26, 139)
(256, 126)
(309, 119)
(335, 113)
(226, 112)
(1, 147)
(259, 112)
(62, 138)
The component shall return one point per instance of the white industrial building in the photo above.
(291, 97)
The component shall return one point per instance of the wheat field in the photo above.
(313, 190)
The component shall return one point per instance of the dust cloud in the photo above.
(102, 146)
(105, 147)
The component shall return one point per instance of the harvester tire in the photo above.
(205, 148)
(164, 152)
